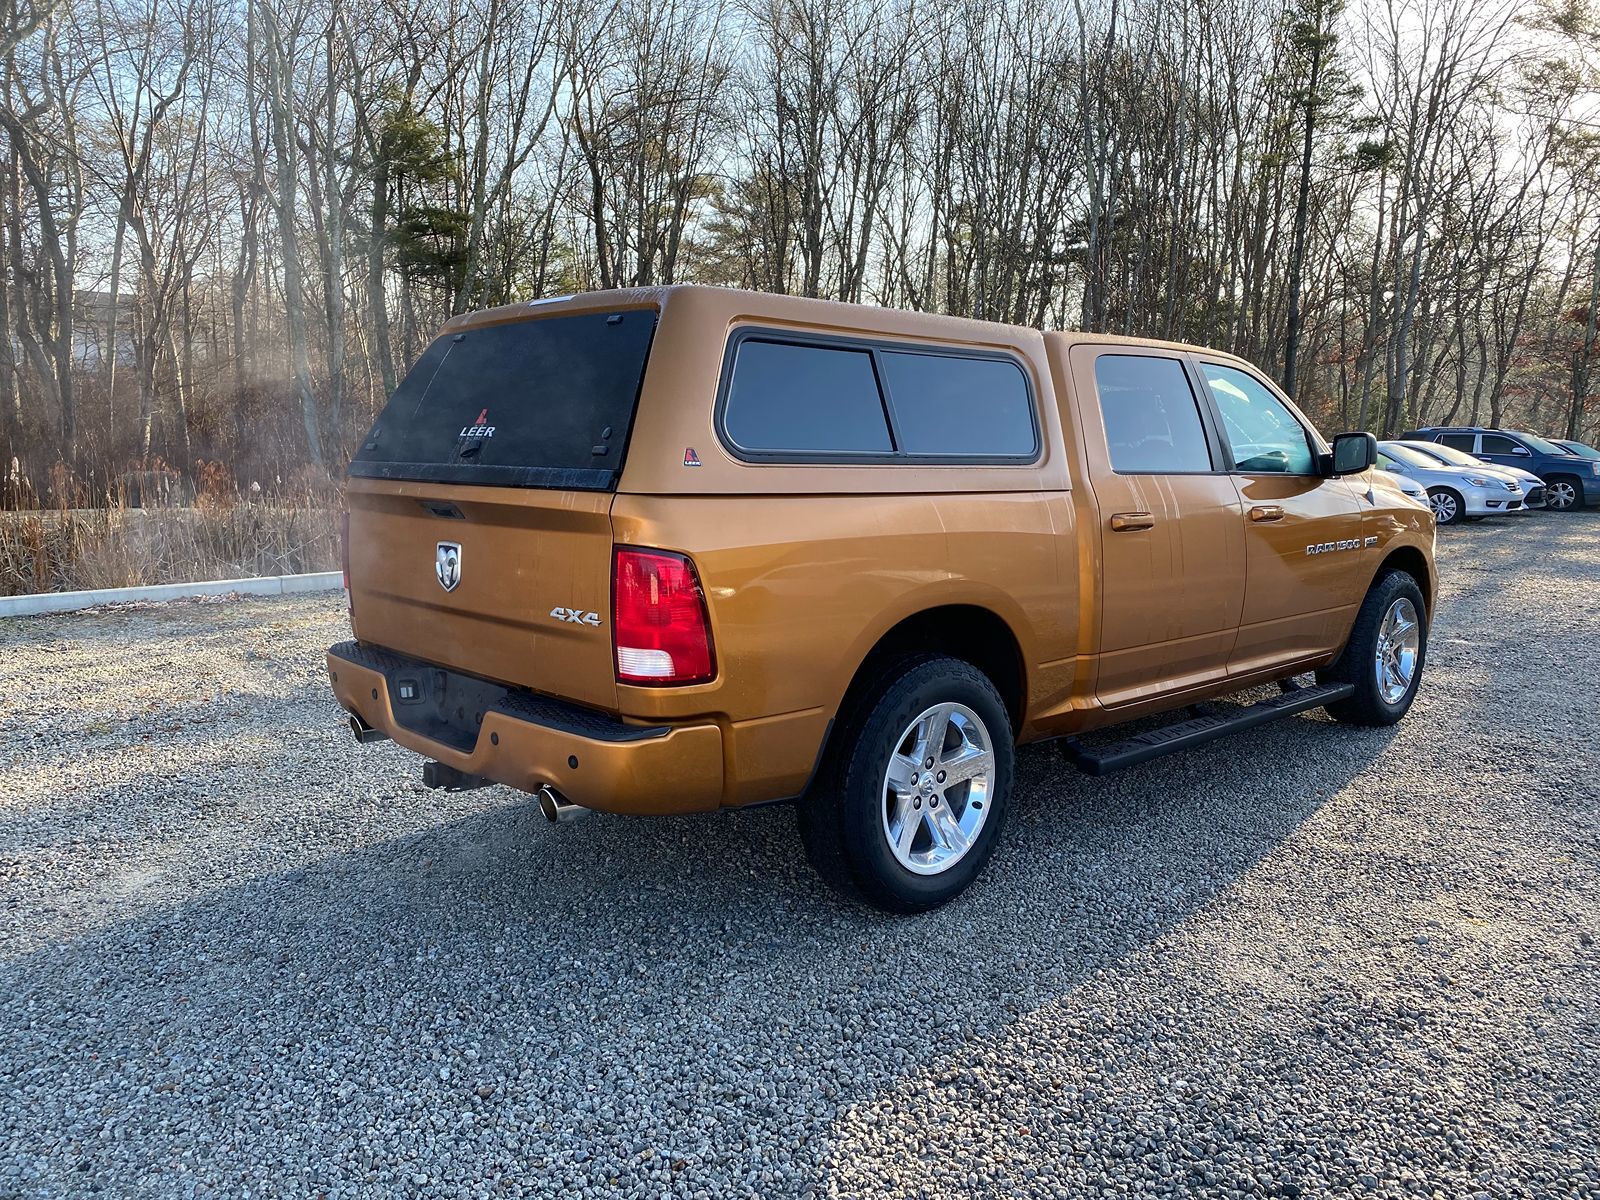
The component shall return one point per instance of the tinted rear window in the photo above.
(537, 403)
(1459, 441)
(830, 402)
(787, 397)
(950, 405)
(1152, 421)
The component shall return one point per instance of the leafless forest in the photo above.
(227, 227)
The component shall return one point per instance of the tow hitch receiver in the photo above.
(441, 775)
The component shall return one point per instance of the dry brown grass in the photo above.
(68, 550)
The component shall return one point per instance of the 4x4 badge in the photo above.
(575, 615)
(447, 564)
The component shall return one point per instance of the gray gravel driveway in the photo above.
(241, 955)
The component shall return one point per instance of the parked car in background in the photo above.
(1581, 449)
(1454, 493)
(1570, 480)
(1409, 488)
(1532, 485)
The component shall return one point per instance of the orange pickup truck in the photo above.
(673, 550)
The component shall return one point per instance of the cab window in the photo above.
(1264, 435)
(1152, 423)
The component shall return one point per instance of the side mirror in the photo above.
(1522, 452)
(1352, 453)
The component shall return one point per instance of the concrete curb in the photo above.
(272, 585)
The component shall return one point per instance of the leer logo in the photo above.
(690, 458)
(479, 428)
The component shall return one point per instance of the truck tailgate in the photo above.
(511, 584)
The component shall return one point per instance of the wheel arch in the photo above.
(970, 632)
(1414, 563)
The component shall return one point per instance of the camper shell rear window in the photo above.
(543, 402)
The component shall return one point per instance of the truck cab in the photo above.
(673, 550)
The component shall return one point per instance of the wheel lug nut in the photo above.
(913, 780)
(941, 776)
(929, 763)
(917, 803)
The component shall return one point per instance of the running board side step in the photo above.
(1142, 747)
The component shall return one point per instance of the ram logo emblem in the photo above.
(447, 564)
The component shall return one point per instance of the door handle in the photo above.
(1125, 522)
(1267, 512)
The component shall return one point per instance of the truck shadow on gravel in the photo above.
(611, 985)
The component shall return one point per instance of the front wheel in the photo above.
(917, 789)
(1561, 494)
(1448, 507)
(1384, 657)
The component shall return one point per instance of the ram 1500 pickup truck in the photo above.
(680, 549)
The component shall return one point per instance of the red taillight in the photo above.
(659, 621)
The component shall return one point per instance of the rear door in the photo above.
(480, 528)
(1502, 450)
(1304, 545)
(1172, 569)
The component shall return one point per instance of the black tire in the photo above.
(841, 818)
(1357, 663)
(1448, 506)
(1563, 493)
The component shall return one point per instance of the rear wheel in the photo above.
(1384, 657)
(1448, 507)
(919, 785)
(1561, 493)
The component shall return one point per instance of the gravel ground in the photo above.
(241, 955)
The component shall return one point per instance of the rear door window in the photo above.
(546, 402)
(1459, 441)
(790, 398)
(1152, 422)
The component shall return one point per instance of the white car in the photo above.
(1532, 485)
(1411, 489)
(1454, 493)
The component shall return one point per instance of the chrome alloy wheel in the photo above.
(1444, 507)
(937, 789)
(1399, 641)
(1560, 495)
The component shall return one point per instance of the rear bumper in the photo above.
(529, 741)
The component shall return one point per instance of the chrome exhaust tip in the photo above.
(557, 809)
(365, 733)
